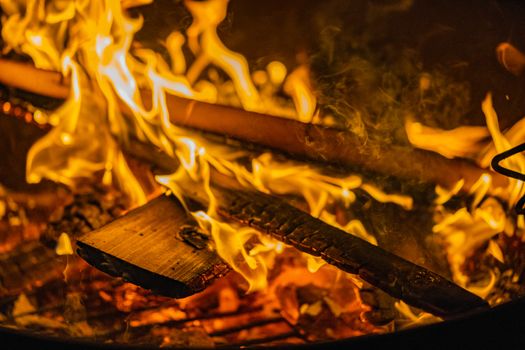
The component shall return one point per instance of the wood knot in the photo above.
(193, 236)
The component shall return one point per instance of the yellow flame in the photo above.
(413, 318)
(461, 142)
(468, 229)
(204, 41)
(108, 70)
(64, 246)
(298, 86)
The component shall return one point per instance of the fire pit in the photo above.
(331, 185)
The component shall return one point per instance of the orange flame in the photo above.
(106, 70)
(467, 229)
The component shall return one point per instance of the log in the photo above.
(396, 276)
(155, 246)
(29, 265)
(323, 144)
(303, 140)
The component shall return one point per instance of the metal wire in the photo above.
(520, 205)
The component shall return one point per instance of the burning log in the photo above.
(324, 144)
(398, 277)
(308, 141)
(29, 265)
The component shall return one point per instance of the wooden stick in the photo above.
(318, 143)
(398, 277)
(302, 140)
(26, 77)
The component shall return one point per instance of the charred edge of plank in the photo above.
(147, 279)
(396, 276)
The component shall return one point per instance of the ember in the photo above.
(273, 209)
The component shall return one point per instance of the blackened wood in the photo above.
(156, 246)
(398, 277)
(33, 263)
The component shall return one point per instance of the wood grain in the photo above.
(146, 247)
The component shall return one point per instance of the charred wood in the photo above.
(398, 277)
(29, 265)
(34, 261)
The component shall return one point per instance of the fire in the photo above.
(463, 141)
(299, 87)
(107, 69)
(119, 90)
(468, 229)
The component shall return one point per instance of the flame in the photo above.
(109, 72)
(204, 42)
(298, 86)
(461, 142)
(468, 229)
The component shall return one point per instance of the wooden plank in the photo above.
(156, 246)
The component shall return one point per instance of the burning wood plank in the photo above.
(303, 140)
(157, 247)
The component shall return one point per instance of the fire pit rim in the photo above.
(502, 325)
